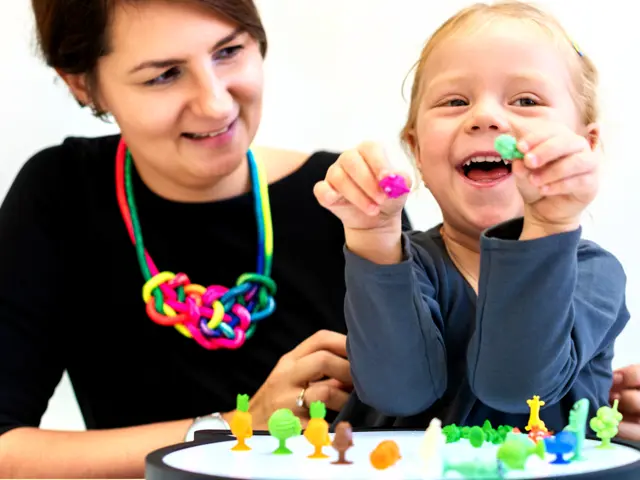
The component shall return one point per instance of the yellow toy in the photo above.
(317, 431)
(534, 417)
(242, 423)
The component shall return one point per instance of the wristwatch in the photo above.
(207, 422)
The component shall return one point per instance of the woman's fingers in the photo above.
(321, 365)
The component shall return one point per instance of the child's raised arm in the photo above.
(395, 343)
(546, 308)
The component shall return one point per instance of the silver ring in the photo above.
(300, 399)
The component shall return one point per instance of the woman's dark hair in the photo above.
(73, 34)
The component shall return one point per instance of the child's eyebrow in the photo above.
(529, 77)
(449, 79)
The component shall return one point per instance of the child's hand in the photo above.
(557, 178)
(351, 190)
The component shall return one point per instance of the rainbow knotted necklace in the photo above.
(215, 316)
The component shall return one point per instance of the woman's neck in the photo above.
(236, 182)
(464, 251)
(277, 164)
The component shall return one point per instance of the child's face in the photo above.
(506, 77)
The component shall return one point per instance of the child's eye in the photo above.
(165, 77)
(456, 102)
(526, 102)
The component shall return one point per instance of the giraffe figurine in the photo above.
(534, 417)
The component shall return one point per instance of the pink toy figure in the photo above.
(394, 186)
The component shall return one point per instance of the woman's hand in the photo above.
(626, 389)
(318, 364)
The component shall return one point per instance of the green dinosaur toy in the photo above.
(578, 417)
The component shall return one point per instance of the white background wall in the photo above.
(334, 75)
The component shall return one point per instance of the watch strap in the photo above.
(214, 421)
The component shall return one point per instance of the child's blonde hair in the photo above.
(585, 74)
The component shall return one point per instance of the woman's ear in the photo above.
(78, 85)
(593, 135)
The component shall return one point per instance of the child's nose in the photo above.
(486, 117)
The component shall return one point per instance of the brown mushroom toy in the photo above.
(342, 441)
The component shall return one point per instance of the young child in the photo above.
(503, 301)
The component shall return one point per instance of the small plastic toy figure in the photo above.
(534, 417)
(431, 449)
(516, 449)
(242, 423)
(385, 455)
(394, 185)
(605, 424)
(476, 437)
(562, 443)
(317, 431)
(452, 432)
(578, 425)
(283, 424)
(506, 146)
(342, 441)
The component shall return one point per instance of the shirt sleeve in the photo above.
(32, 290)
(546, 308)
(395, 343)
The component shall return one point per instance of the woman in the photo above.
(183, 82)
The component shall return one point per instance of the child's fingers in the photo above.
(326, 195)
(554, 148)
(344, 185)
(577, 185)
(356, 165)
(563, 168)
(376, 159)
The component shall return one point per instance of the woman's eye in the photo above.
(165, 77)
(228, 52)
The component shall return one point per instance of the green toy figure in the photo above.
(516, 449)
(605, 424)
(506, 146)
(578, 417)
(283, 424)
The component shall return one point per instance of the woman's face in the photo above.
(185, 88)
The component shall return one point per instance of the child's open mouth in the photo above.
(486, 169)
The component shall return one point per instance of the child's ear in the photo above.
(593, 135)
(412, 142)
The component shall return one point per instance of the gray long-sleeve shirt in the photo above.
(422, 344)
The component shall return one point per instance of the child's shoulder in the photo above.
(601, 262)
(428, 245)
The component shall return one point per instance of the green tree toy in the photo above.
(283, 424)
(476, 437)
(578, 417)
(605, 424)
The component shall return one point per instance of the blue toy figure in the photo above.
(560, 444)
